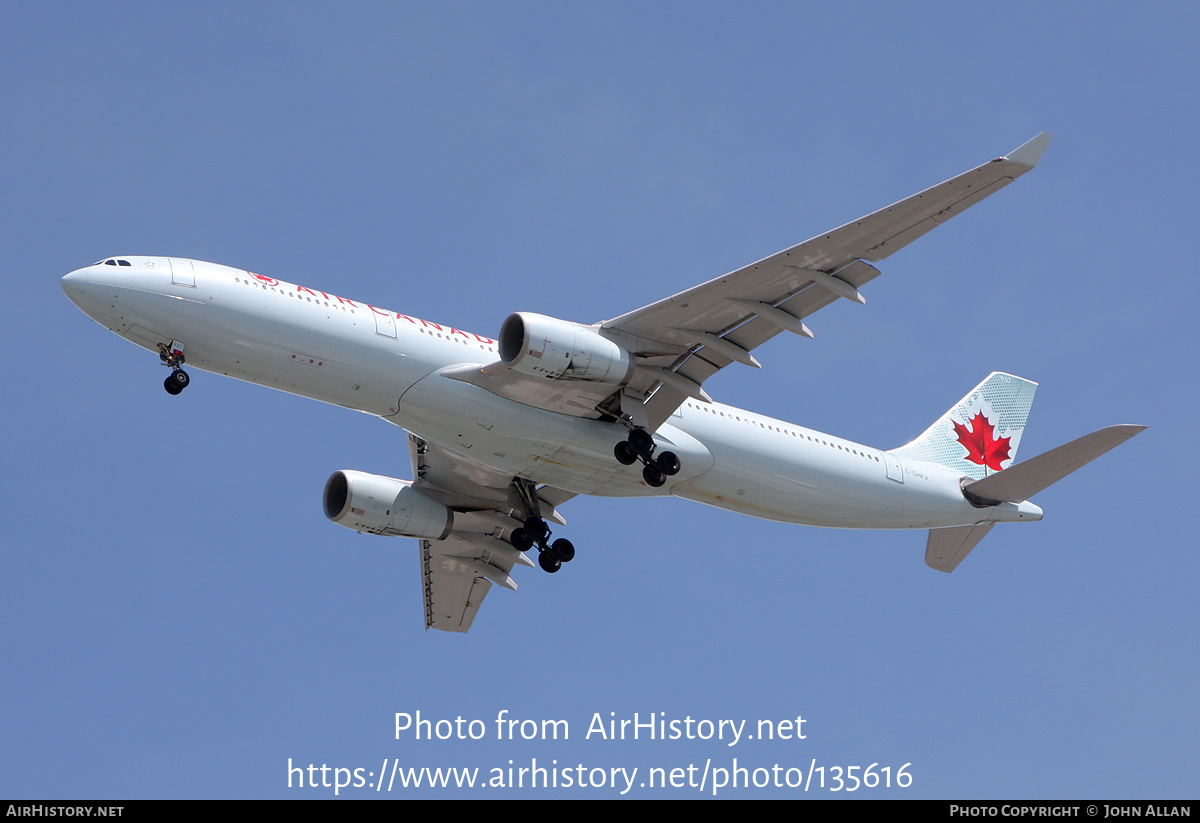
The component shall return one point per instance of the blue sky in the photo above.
(181, 619)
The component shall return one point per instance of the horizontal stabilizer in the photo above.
(1024, 480)
(947, 547)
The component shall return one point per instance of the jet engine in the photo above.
(557, 349)
(384, 505)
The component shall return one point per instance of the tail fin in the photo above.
(981, 433)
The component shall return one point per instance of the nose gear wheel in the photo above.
(176, 381)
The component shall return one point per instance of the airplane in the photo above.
(502, 432)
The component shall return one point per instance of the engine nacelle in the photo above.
(384, 505)
(557, 349)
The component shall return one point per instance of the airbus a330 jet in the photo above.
(502, 432)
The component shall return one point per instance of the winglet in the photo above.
(1030, 153)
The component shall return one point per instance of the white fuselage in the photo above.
(352, 354)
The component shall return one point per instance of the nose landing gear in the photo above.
(172, 356)
(640, 446)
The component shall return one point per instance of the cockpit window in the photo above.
(124, 263)
(110, 262)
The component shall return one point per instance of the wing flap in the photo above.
(452, 589)
(458, 572)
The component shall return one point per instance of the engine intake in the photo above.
(384, 505)
(544, 346)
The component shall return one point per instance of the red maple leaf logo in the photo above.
(980, 442)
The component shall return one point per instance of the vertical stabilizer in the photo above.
(979, 436)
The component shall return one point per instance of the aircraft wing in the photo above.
(683, 340)
(458, 571)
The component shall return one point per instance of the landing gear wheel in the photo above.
(537, 529)
(640, 446)
(521, 540)
(667, 463)
(563, 550)
(176, 381)
(625, 454)
(549, 563)
(653, 476)
(641, 441)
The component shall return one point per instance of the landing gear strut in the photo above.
(172, 356)
(640, 446)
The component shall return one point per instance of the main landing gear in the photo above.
(172, 356)
(640, 446)
(551, 556)
(525, 503)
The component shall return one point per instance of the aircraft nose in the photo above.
(73, 284)
(81, 287)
